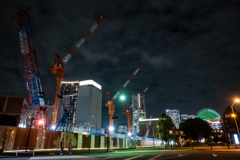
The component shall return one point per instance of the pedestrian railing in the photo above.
(20, 150)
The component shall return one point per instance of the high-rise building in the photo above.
(175, 116)
(138, 110)
(83, 101)
(89, 106)
(122, 128)
(184, 117)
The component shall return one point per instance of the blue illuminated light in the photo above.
(236, 138)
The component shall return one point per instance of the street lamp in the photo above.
(122, 97)
(234, 116)
(154, 135)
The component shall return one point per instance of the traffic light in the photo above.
(179, 140)
(170, 132)
(188, 140)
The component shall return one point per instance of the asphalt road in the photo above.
(143, 155)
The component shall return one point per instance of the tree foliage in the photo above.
(196, 128)
(164, 125)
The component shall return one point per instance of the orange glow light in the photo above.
(40, 122)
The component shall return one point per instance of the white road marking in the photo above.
(146, 151)
(215, 155)
(153, 158)
(61, 157)
(109, 158)
(133, 157)
(175, 156)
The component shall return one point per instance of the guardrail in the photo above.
(20, 149)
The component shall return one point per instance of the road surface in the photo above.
(143, 155)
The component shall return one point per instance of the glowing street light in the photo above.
(40, 122)
(129, 134)
(122, 97)
(234, 116)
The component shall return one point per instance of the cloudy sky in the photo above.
(191, 49)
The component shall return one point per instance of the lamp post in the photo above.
(154, 136)
(233, 115)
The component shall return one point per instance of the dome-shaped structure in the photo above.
(208, 114)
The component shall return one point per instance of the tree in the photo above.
(229, 121)
(196, 128)
(165, 125)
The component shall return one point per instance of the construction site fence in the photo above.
(19, 139)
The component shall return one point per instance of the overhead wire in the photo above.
(43, 55)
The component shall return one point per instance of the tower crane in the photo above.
(58, 66)
(30, 63)
(110, 100)
(126, 110)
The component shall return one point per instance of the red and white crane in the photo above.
(110, 101)
(58, 66)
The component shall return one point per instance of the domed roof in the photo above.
(208, 114)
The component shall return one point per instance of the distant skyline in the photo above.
(191, 49)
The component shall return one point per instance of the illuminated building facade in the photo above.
(212, 117)
(122, 129)
(184, 117)
(69, 91)
(89, 107)
(138, 110)
(175, 116)
(83, 101)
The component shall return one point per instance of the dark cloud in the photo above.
(191, 49)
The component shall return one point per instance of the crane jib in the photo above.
(134, 73)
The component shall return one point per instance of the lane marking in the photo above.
(61, 157)
(109, 157)
(133, 157)
(147, 151)
(153, 158)
(175, 156)
(215, 155)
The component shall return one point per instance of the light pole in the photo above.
(154, 136)
(237, 100)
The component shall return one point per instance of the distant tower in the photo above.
(138, 110)
(175, 116)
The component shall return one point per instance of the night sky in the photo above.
(191, 49)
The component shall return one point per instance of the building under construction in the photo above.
(138, 110)
(83, 101)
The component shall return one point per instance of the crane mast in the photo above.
(128, 113)
(110, 101)
(29, 57)
(58, 66)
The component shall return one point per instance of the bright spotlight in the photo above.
(129, 134)
(111, 128)
(237, 100)
(53, 127)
